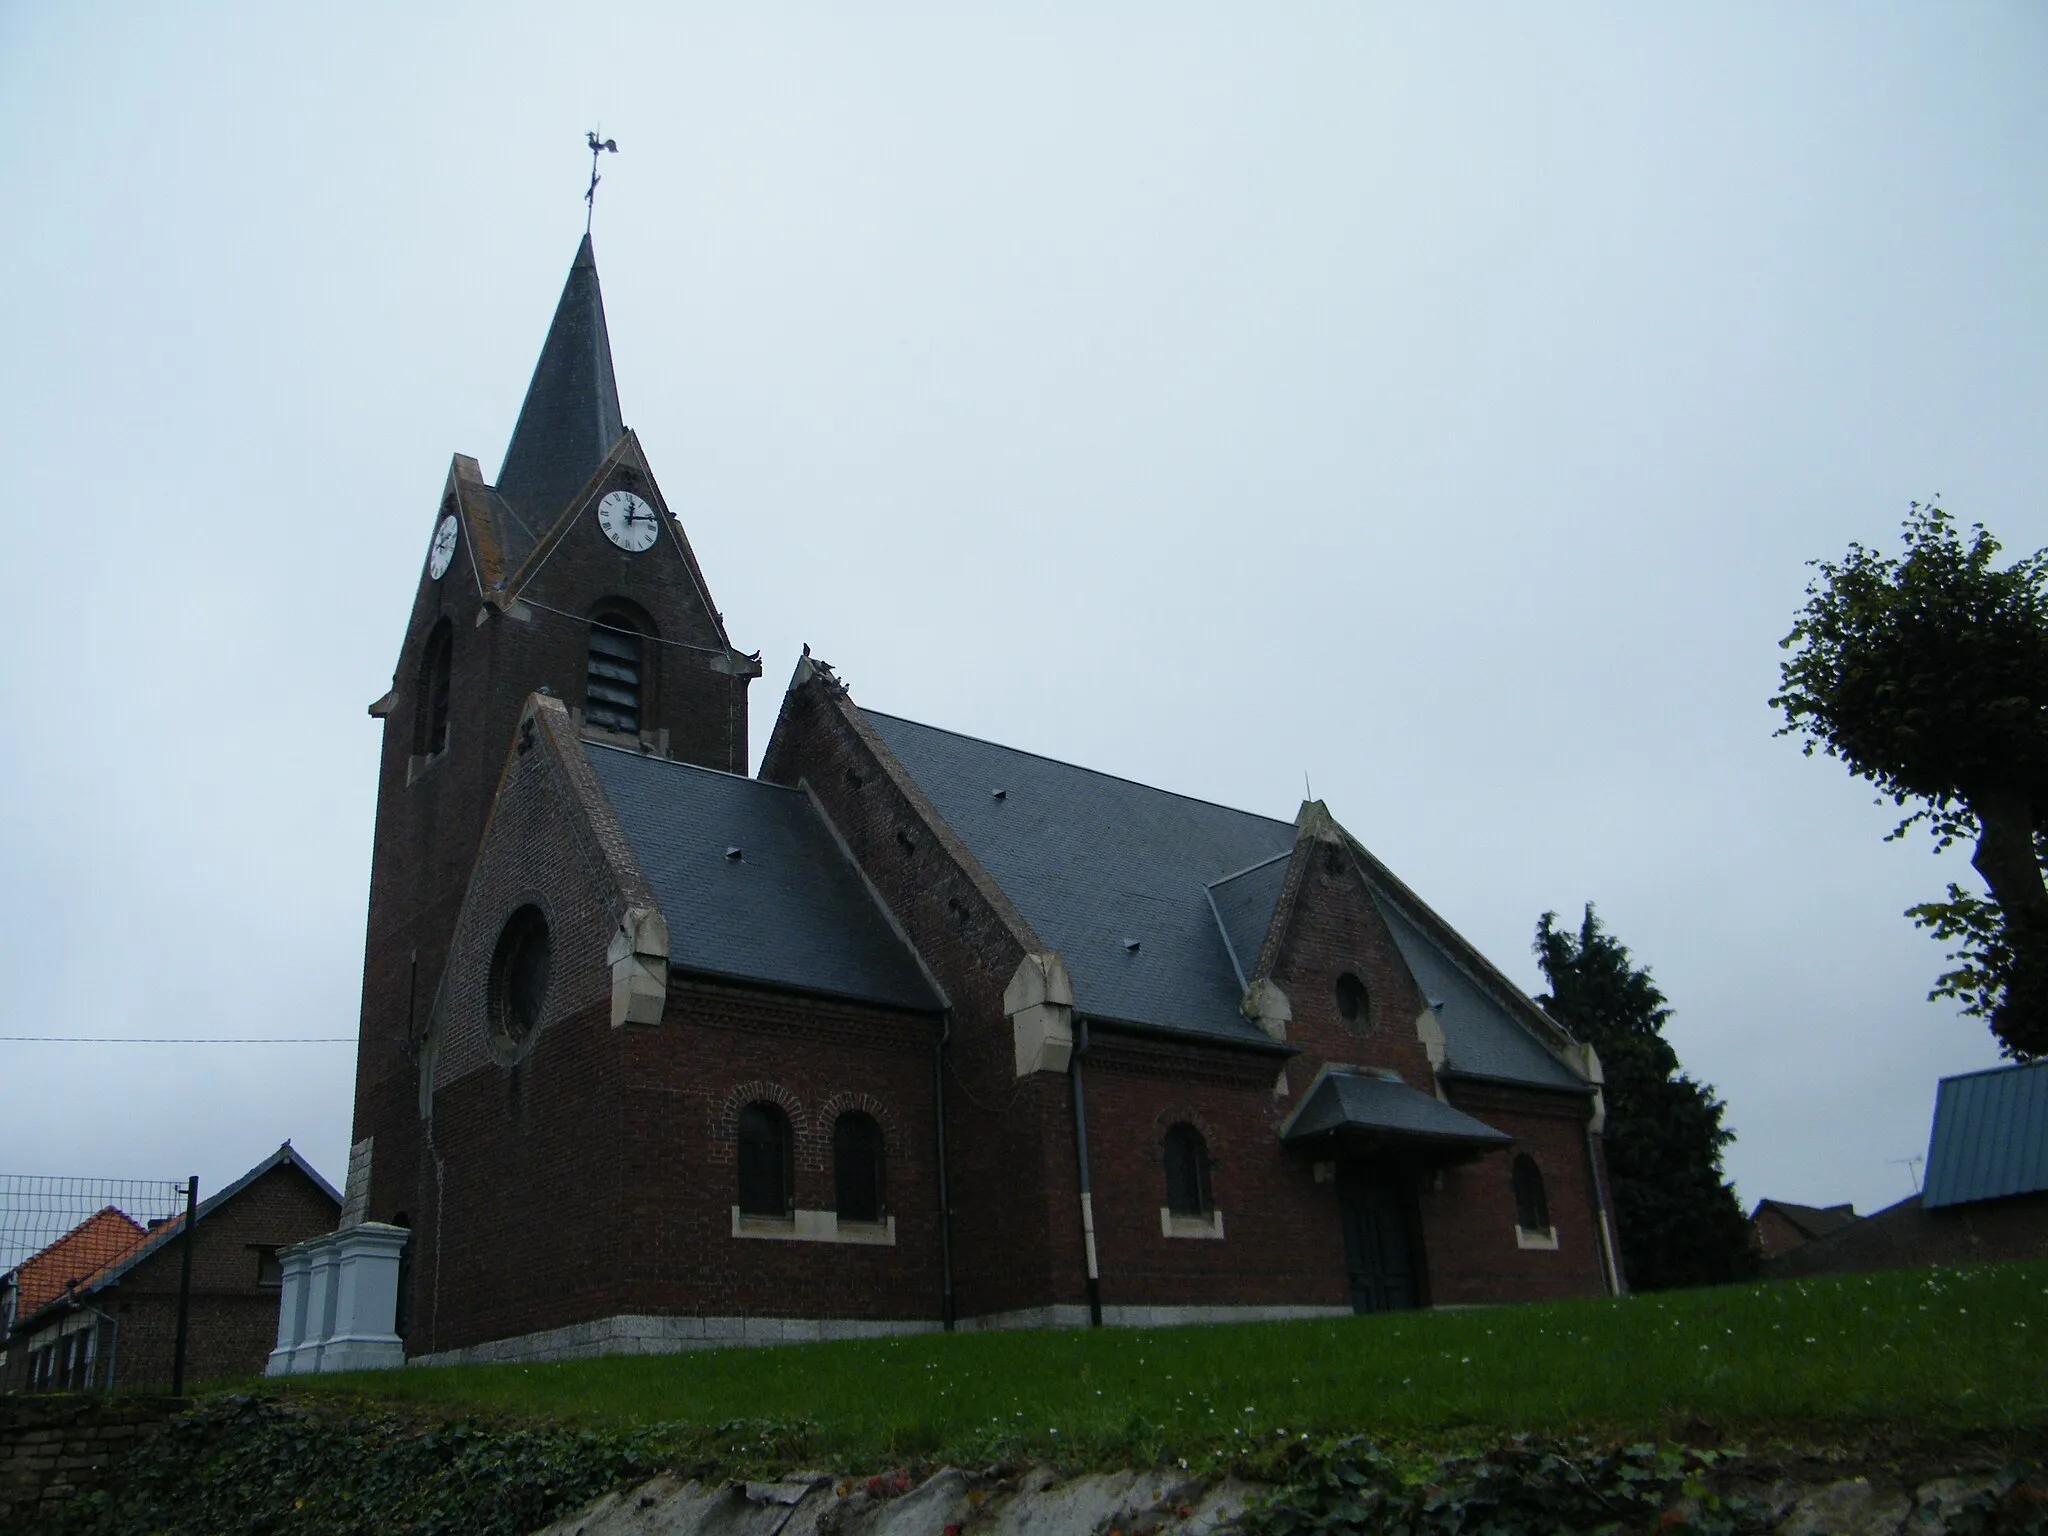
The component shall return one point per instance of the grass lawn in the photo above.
(1940, 1352)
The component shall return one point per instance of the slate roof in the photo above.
(791, 910)
(1093, 861)
(570, 417)
(1363, 1101)
(1990, 1136)
(1481, 1039)
(1244, 910)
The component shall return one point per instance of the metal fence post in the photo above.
(185, 1286)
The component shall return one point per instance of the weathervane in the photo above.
(597, 147)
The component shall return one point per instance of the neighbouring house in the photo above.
(1779, 1226)
(1985, 1197)
(912, 1030)
(98, 1308)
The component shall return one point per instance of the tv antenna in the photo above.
(1912, 1166)
(597, 147)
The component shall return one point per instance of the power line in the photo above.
(164, 1040)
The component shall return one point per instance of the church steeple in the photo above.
(571, 416)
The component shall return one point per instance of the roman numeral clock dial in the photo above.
(442, 550)
(628, 521)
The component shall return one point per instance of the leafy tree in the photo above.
(1927, 675)
(1680, 1223)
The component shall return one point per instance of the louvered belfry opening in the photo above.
(611, 693)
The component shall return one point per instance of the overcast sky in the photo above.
(1438, 404)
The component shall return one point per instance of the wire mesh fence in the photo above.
(61, 1238)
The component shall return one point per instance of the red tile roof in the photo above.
(78, 1255)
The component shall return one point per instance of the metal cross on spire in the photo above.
(597, 147)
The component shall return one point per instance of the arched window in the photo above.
(1532, 1208)
(1187, 1172)
(430, 703)
(611, 685)
(1351, 999)
(767, 1162)
(857, 1167)
(519, 977)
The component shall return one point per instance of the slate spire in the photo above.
(571, 416)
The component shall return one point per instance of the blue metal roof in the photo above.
(1990, 1136)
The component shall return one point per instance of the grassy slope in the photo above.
(1931, 1351)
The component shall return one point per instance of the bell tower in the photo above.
(571, 576)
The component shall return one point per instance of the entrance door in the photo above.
(1379, 1250)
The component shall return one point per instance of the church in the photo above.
(910, 1031)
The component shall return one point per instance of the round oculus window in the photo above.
(519, 977)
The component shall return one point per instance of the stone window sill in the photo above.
(815, 1227)
(1171, 1225)
(1536, 1237)
(418, 767)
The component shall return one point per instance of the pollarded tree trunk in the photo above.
(2008, 858)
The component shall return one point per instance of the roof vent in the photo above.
(1131, 945)
(1001, 794)
(733, 854)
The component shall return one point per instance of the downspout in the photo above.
(1606, 1234)
(1087, 1196)
(945, 1196)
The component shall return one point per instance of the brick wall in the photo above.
(233, 1318)
(1776, 1234)
(1468, 1212)
(54, 1447)
(1906, 1235)
(1012, 1151)
(1010, 1143)
(598, 1176)
(430, 821)
(1282, 1244)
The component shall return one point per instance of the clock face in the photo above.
(628, 521)
(443, 548)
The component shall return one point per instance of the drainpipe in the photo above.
(945, 1196)
(1606, 1235)
(1087, 1197)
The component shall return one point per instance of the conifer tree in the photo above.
(1680, 1223)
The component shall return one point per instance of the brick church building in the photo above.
(913, 1030)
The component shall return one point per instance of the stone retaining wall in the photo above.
(54, 1446)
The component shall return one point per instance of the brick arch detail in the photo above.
(1166, 1120)
(844, 1103)
(725, 1123)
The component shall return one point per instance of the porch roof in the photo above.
(1344, 1099)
